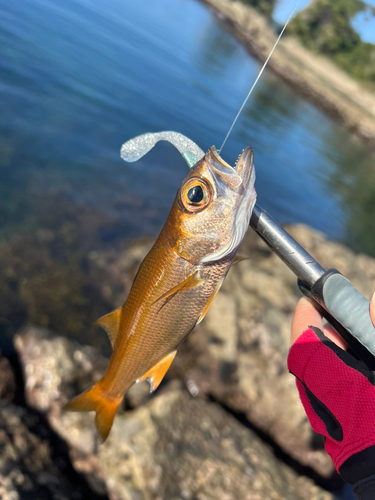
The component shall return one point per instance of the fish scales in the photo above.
(163, 326)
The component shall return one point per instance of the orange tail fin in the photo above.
(95, 399)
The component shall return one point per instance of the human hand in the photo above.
(338, 394)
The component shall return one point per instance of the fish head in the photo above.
(212, 209)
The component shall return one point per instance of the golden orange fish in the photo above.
(179, 277)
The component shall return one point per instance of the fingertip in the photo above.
(305, 315)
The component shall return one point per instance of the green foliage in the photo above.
(325, 27)
(359, 62)
(264, 6)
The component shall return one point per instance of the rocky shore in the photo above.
(226, 422)
(313, 76)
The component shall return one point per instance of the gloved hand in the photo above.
(338, 394)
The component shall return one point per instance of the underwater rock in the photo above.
(174, 447)
(50, 275)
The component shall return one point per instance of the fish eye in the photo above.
(195, 195)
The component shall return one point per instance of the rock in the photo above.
(28, 467)
(7, 380)
(236, 356)
(180, 448)
(173, 447)
(54, 370)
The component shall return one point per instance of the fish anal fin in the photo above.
(105, 407)
(207, 306)
(111, 323)
(156, 374)
(191, 282)
(239, 258)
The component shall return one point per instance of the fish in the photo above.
(176, 282)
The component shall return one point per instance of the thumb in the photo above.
(372, 309)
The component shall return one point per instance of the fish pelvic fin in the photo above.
(105, 407)
(191, 282)
(239, 258)
(111, 324)
(156, 374)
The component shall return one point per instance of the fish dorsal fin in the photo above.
(239, 258)
(191, 282)
(156, 374)
(111, 323)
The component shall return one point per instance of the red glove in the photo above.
(338, 394)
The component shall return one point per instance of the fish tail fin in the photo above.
(105, 407)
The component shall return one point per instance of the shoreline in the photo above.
(314, 77)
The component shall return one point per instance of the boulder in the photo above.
(173, 447)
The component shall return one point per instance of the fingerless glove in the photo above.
(338, 394)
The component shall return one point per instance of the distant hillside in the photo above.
(325, 27)
(316, 76)
(266, 7)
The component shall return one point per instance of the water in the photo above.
(79, 78)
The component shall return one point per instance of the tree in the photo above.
(264, 6)
(325, 27)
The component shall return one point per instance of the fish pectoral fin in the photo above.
(191, 282)
(156, 374)
(207, 306)
(239, 258)
(111, 324)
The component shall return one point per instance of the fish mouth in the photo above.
(245, 164)
(235, 176)
(241, 179)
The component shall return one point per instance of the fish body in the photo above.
(176, 281)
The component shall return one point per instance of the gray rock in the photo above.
(174, 447)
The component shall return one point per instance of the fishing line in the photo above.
(257, 78)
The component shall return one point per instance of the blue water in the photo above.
(78, 78)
